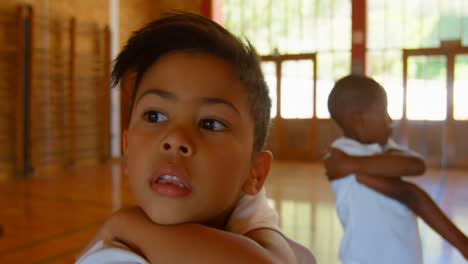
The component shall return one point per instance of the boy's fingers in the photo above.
(330, 177)
(328, 153)
(334, 151)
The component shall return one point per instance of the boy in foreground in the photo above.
(194, 152)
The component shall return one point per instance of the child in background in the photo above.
(375, 205)
(194, 152)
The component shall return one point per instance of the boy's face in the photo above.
(188, 148)
(376, 124)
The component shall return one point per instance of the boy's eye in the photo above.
(212, 124)
(154, 117)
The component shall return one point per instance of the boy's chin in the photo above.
(165, 217)
(173, 217)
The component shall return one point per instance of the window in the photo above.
(427, 88)
(269, 71)
(460, 89)
(297, 83)
(394, 25)
(292, 27)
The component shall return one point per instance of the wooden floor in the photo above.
(48, 218)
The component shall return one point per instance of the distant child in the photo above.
(375, 205)
(194, 152)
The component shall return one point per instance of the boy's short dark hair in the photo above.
(185, 32)
(353, 92)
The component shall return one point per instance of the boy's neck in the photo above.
(220, 221)
(351, 135)
(354, 137)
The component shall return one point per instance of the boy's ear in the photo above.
(125, 149)
(258, 172)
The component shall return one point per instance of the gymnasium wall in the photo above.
(133, 13)
(60, 119)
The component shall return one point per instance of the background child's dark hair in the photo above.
(353, 92)
(184, 32)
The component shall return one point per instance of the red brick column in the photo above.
(358, 43)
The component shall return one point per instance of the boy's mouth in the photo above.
(170, 183)
(168, 179)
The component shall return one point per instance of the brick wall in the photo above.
(192, 6)
(136, 13)
(48, 42)
(133, 13)
(83, 10)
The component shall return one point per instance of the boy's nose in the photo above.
(178, 143)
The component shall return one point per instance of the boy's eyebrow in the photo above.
(173, 97)
(158, 92)
(214, 100)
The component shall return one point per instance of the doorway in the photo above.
(292, 81)
(435, 115)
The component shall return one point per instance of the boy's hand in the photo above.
(115, 227)
(337, 164)
(111, 227)
(103, 233)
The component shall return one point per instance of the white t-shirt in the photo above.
(252, 212)
(377, 229)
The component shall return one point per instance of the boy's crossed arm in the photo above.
(192, 243)
(382, 173)
(392, 164)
